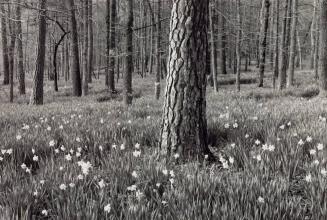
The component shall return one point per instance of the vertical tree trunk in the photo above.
(284, 48)
(4, 45)
(113, 50)
(11, 54)
(86, 73)
(158, 48)
(109, 79)
(213, 51)
(276, 58)
(314, 34)
(128, 96)
(290, 81)
(238, 45)
(323, 51)
(263, 39)
(37, 92)
(75, 68)
(184, 125)
(91, 43)
(223, 58)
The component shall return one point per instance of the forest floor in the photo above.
(91, 158)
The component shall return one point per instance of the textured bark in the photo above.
(323, 51)
(107, 79)
(276, 57)
(86, 49)
(75, 67)
(37, 92)
(128, 96)
(20, 69)
(213, 52)
(291, 68)
(4, 46)
(263, 39)
(184, 125)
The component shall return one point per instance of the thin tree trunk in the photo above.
(5, 49)
(91, 42)
(323, 51)
(276, 58)
(238, 45)
(113, 53)
(290, 81)
(86, 73)
(213, 52)
(263, 39)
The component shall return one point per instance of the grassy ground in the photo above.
(91, 158)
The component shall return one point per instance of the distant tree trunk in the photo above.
(91, 44)
(128, 96)
(317, 50)
(109, 78)
(37, 92)
(86, 73)
(276, 58)
(213, 52)
(75, 68)
(20, 69)
(238, 45)
(112, 47)
(184, 125)
(290, 81)
(314, 34)
(299, 45)
(5, 50)
(158, 48)
(263, 39)
(223, 58)
(323, 51)
(284, 48)
(11, 54)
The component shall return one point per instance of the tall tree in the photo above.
(75, 67)
(263, 39)
(112, 45)
(158, 52)
(11, 52)
(291, 68)
(86, 49)
(4, 45)
(323, 51)
(184, 125)
(20, 69)
(223, 58)
(213, 50)
(90, 65)
(276, 53)
(128, 96)
(238, 44)
(37, 92)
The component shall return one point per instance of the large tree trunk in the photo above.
(37, 93)
(314, 34)
(75, 67)
(128, 96)
(291, 68)
(323, 51)
(184, 125)
(263, 39)
(5, 50)
(11, 54)
(20, 69)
